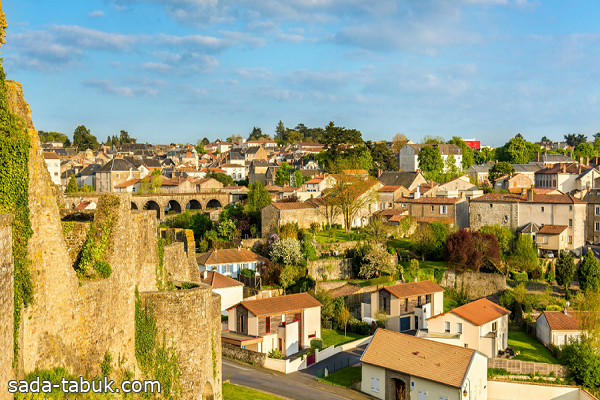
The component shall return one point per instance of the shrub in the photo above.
(553, 307)
(189, 285)
(391, 250)
(270, 272)
(286, 251)
(103, 268)
(519, 276)
(309, 249)
(528, 308)
(314, 226)
(358, 327)
(247, 272)
(276, 354)
(550, 278)
(507, 300)
(316, 344)
(438, 274)
(203, 246)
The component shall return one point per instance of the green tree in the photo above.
(382, 157)
(125, 138)
(430, 139)
(234, 138)
(226, 228)
(583, 362)
(565, 269)
(376, 262)
(225, 179)
(288, 276)
(258, 196)
(72, 185)
(589, 272)
(200, 147)
(502, 233)
(280, 132)
(575, 140)
(283, 174)
(294, 136)
(499, 169)
(584, 150)
(335, 136)
(200, 223)
(450, 167)
(343, 317)
(430, 160)
(468, 154)
(83, 139)
(398, 142)
(515, 151)
(67, 142)
(524, 255)
(597, 143)
(298, 178)
(205, 141)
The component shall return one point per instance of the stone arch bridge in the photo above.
(165, 202)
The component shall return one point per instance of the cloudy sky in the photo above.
(180, 70)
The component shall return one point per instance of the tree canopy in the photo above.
(500, 169)
(564, 269)
(589, 272)
(430, 160)
(575, 140)
(83, 139)
(258, 196)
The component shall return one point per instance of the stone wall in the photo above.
(490, 213)
(245, 355)
(477, 284)
(180, 255)
(195, 341)
(75, 238)
(342, 269)
(6, 304)
(340, 247)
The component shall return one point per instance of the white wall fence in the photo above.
(298, 364)
(502, 390)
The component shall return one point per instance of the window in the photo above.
(405, 304)
(431, 208)
(542, 209)
(570, 223)
(570, 239)
(494, 326)
(117, 176)
(446, 326)
(597, 210)
(443, 209)
(506, 218)
(570, 208)
(227, 269)
(268, 325)
(466, 345)
(297, 316)
(478, 217)
(375, 384)
(597, 226)
(427, 298)
(56, 174)
(458, 327)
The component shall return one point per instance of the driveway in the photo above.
(300, 387)
(346, 358)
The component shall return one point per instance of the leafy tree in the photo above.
(502, 233)
(515, 151)
(280, 132)
(358, 157)
(72, 185)
(288, 276)
(589, 272)
(234, 138)
(258, 196)
(283, 174)
(200, 147)
(545, 141)
(575, 140)
(115, 141)
(377, 261)
(225, 179)
(309, 249)
(499, 169)
(468, 154)
(430, 139)
(475, 250)
(450, 166)
(584, 150)
(226, 228)
(328, 308)
(431, 240)
(565, 269)
(270, 272)
(382, 158)
(430, 160)
(230, 210)
(205, 141)
(350, 195)
(83, 139)
(310, 134)
(67, 142)
(294, 136)
(200, 223)
(583, 362)
(88, 188)
(335, 136)
(597, 143)
(485, 155)
(125, 138)
(298, 178)
(398, 142)
(524, 255)
(108, 141)
(343, 317)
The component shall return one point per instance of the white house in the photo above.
(557, 327)
(230, 290)
(229, 261)
(319, 183)
(482, 325)
(399, 366)
(236, 171)
(53, 164)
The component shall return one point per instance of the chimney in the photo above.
(587, 160)
(417, 192)
(564, 167)
(379, 172)
(204, 274)
(580, 159)
(537, 156)
(530, 194)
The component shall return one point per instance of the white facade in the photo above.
(236, 171)
(230, 296)
(53, 165)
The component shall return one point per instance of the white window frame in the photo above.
(446, 326)
(444, 209)
(459, 327)
(375, 384)
(227, 268)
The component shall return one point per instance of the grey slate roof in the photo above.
(555, 158)
(481, 169)
(89, 170)
(253, 150)
(117, 164)
(520, 168)
(396, 178)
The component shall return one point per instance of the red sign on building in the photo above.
(474, 144)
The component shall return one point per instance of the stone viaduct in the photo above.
(164, 202)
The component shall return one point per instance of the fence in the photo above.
(528, 367)
(250, 281)
(333, 367)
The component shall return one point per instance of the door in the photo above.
(404, 324)
(416, 322)
(400, 390)
(422, 395)
(280, 344)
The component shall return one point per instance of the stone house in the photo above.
(513, 183)
(258, 172)
(479, 172)
(389, 194)
(229, 262)
(396, 366)
(438, 208)
(410, 180)
(287, 323)
(277, 214)
(255, 153)
(207, 184)
(230, 290)
(482, 325)
(53, 165)
(236, 171)
(592, 227)
(408, 305)
(408, 157)
(517, 210)
(113, 173)
(557, 327)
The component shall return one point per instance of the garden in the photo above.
(235, 392)
(344, 377)
(529, 349)
(337, 338)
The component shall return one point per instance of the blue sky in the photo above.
(180, 70)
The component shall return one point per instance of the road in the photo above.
(294, 386)
(353, 355)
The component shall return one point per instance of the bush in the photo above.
(358, 327)
(314, 226)
(247, 272)
(537, 273)
(276, 354)
(438, 274)
(203, 246)
(391, 250)
(528, 308)
(316, 344)
(553, 307)
(103, 268)
(550, 278)
(520, 276)
(507, 300)
(188, 285)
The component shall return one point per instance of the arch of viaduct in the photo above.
(163, 202)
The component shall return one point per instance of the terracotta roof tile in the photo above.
(390, 188)
(559, 321)
(434, 361)
(552, 229)
(280, 304)
(293, 206)
(537, 198)
(397, 218)
(343, 291)
(50, 155)
(83, 205)
(411, 289)
(128, 183)
(431, 200)
(355, 172)
(478, 312)
(217, 280)
(228, 256)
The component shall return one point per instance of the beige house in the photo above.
(203, 184)
(259, 170)
(438, 208)
(396, 366)
(410, 180)
(513, 183)
(408, 305)
(482, 325)
(517, 210)
(388, 195)
(592, 227)
(236, 171)
(557, 327)
(566, 177)
(229, 262)
(115, 172)
(408, 157)
(230, 290)
(256, 153)
(318, 184)
(287, 323)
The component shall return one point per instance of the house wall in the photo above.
(252, 324)
(476, 382)
(523, 391)
(407, 159)
(434, 390)
(230, 296)
(592, 234)
(437, 303)
(311, 323)
(518, 181)
(542, 329)
(490, 213)
(470, 331)
(369, 372)
(562, 337)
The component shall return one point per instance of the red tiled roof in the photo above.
(280, 304)
(83, 205)
(390, 188)
(431, 220)
(411, 289)
(128, 183)
(559, 321)
(50, 155)
(355, 172)
(431, 200)
(228, 256)
(293, 206)
(552, 229)
(478, 312)
(397, 218)
(217, 280)
(537, 198)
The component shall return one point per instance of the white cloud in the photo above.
(107, 86)
(81, 37)
(157, 67)
(96, 14)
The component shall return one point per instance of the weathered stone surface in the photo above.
(477, 284)
(339, 269)
(6, 304)
(245, 355)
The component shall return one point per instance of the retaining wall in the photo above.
(6, 304)
(245, 355)
(342, 269)
(477, 284)
(528, 367)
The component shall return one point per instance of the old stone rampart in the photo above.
(6, 304)
(197, 342)
(75, 235)
(476, 284)
(334, 268)
(245, 355)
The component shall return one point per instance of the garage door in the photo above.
(404, 324)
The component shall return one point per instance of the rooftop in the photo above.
(559, 321)
(217, 280)
(478, 312)
(552, 229)
(281, 304)
(411, 289)
(228, 256)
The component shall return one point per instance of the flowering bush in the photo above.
(286, 251)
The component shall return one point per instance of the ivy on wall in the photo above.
(67, 227)
(14, 199)
(162, 281)
(156, 360)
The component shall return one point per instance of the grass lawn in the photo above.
(234, 392)
(340, 235)
(344, 377)
(403, 243)
(335, 338)
(530, 348)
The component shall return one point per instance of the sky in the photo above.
(180, 70)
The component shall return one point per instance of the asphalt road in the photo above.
(353, 356)
(299, 387)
